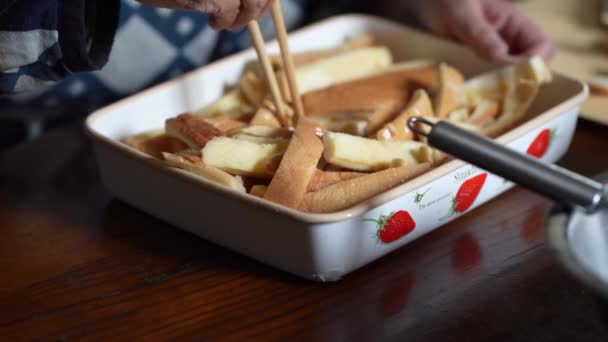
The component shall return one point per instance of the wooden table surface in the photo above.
(76, 264)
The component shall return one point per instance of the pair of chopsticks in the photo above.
(271, 79)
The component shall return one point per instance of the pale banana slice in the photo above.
(362, 154)
(241, 157)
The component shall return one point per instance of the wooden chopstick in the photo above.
(271, 79)
(281, 31)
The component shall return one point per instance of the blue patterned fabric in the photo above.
(150, 46)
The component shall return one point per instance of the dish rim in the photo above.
(355, 211)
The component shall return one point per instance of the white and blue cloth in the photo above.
(59, 59)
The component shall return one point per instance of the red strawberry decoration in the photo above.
(468, 192)
(541, 144)
(394, 226)
(466, 254)
(395, 296)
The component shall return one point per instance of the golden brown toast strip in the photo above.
(297, 166)
(192, 130)
(378, 119)
(459, 115)
(347, 194)
(304, 58)
(264, 117)
(323, 179)
(254, 89)
(227, 123)
(233, 101)
(420, 105)
(352, 127)
(452, 93)
(388, 91)
(154, 144)
(263, 132)
(520, 95)
(194, 164)
(258, 190)
(484, 112)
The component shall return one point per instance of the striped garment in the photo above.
(60, 59)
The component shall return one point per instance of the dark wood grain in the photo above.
(75, 264)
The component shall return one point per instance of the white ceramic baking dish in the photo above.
(321, 247)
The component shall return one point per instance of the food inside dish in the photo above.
(353, 143)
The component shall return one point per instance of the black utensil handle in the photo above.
(546, 179)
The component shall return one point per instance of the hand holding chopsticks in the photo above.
(271, 79)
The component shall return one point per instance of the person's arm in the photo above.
(43, 41)
(496, 29)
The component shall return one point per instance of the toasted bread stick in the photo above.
(598, 87)
(452, 93)
(297, 167)
(192, 130)
(484, 112)
(304, 58)
(265, 117)
(378, 119)
(242, 157)
(258, 190)
(194, 164)
(263, 132)
(227, 123)
(155, 143)
(233, 101)
(388, 91)
(254, 88)
(420, 105)
(323, 179)
(347, 194)
(459, 115)
(353, 127)
(519, 97)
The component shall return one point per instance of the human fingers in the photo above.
(469, 25)
(250, 10)
(524, 37)
(225, 15)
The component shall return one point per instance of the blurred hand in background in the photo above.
(495, 29)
